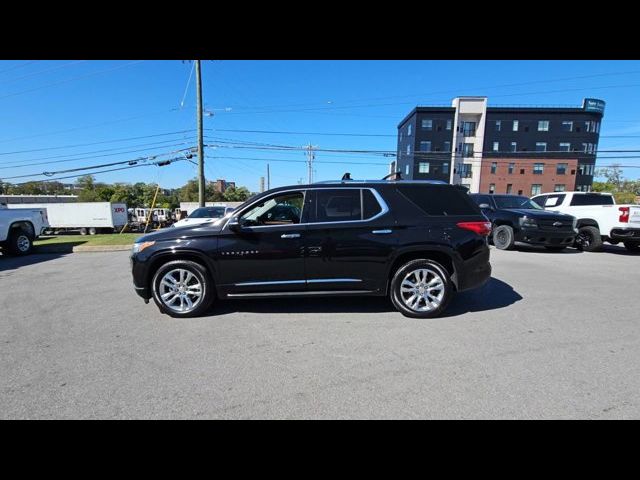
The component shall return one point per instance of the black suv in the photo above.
(518, 219)
(417, 241)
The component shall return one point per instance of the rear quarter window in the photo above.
(579, 200)
(437, 200)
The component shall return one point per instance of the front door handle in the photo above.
(290, 235)
(386, 231)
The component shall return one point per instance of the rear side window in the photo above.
(591, 199)
(439, 200)
(370, 205)
(339, 205)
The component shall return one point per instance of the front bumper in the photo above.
(539, 236)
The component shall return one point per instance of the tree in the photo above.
(239, 194)
(613, 175)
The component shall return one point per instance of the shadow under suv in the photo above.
(417, 241)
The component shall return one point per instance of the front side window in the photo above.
(285, 209)
(427, 124)
(543, 126)
(423, 167)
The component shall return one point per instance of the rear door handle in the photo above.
(290, 235)
(382, 232)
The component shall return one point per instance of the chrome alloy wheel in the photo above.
(23, 243)
(422, 290)
(180, 290)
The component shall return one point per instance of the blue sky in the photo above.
(51, 106)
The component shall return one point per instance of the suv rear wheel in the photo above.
(182, 288)
(503, 237)
(421, 289)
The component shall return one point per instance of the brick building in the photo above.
(222, 185)
(502, 149)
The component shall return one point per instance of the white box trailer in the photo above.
(86, 217)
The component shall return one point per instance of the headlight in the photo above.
(528, 222)
(138, 247)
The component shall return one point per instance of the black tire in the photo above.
(632, 246)
(83, 231)
(203, 277)
(445, 293)
(20, 242)
(588, 239)
(553, 248)
(503, 237)
(92, 231)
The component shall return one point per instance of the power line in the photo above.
(305, 133)
(14, 67)
(72, 79)
(47, 70)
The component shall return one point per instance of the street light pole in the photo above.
(201, 181)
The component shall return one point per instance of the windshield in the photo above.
(208, 212)
(516, 202)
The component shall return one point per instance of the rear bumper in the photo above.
(537, 236)
(625, 234)
(474, 273)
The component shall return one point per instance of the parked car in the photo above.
(19, 227)
(515, 218)
(599, 218)
(417, 241)
(202, 215)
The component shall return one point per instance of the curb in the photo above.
(62, 248)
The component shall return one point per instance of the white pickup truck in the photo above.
(599, 218)
(20, 227)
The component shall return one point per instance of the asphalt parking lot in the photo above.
(552, 335)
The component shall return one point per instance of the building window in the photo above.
(543, 125)
(496, 146)
(559, 188)
(446, 146)
(401, 135)
(538, 168)
(492, 188)
(511, 167)
(567, 126)
(407, 171)
(425, 146)
(467, 150)
(514, 146)
(597, 127)
(561, 168)
(445, 168)
(584, 147)
(427, 124)
(589, 147)
(408, 149)
(515, 125)
(585, 169)
(409, 130)
(449, 124)
(468, 129)
(541, 147)
(565, 147)
(536, 189)
(423, 167)
(494, 166)
(465, 170)
(519, 192)
(509, 187)
(498, 125)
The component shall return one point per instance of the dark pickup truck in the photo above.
(516, 218)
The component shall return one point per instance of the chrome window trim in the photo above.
(378, 197)
(298, 282)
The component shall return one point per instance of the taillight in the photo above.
(481, 228)
(624, 216)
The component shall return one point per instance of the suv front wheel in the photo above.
(182, 288)
(421, 289)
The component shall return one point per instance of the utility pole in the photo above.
(268, 178)
(261, 184)
(200, 130)
(311, 156)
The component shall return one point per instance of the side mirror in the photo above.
(485, 206)
(234, 225)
